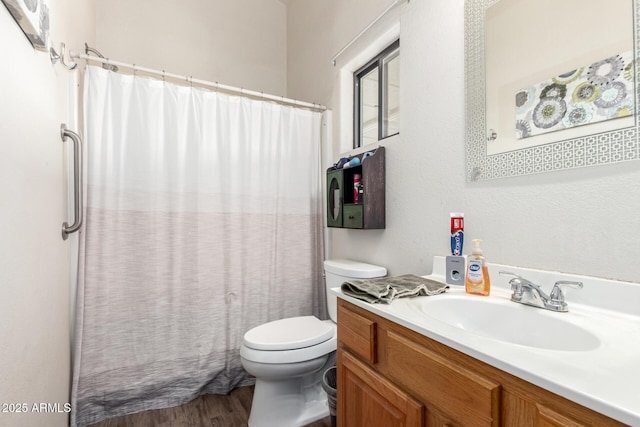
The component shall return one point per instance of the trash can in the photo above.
(329, 384)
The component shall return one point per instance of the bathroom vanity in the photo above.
(409, 364)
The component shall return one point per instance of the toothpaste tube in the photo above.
(457, 233)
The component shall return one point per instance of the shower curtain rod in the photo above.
(190, 79)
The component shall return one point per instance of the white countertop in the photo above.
(605, 379)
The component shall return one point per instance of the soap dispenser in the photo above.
(477, 281)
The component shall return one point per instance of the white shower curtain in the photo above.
(203, 220)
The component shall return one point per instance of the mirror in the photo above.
(549, 85)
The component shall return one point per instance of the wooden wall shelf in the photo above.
(368, 210)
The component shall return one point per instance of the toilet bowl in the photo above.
(289, 356)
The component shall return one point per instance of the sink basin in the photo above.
(507, 321)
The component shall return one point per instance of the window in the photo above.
(376, 97)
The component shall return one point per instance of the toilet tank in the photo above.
(338, 271)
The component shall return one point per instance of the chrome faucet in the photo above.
(526, 292)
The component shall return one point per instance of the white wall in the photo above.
(580, 221)
(34, 265)
(240, 43)
(316, 31)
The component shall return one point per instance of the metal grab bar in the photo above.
(77, 181)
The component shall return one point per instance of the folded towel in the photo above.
(386, 289)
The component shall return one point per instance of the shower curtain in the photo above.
(203, 220)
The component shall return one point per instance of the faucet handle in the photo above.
(508, 273)
(515, 282)
(517, 279)
(557, 295)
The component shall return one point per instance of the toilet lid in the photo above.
(289, 334)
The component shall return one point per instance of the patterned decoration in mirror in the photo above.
(602, 91)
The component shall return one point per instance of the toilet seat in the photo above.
(288, 334)
(322, 336)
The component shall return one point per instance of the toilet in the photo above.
(289, 356)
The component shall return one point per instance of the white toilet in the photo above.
(289, 356)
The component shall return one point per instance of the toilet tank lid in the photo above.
(355, 269)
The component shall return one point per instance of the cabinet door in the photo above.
(365, 399)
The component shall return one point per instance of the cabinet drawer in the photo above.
(547, 417)
(468, 398)
(358, 333)
(353, 216)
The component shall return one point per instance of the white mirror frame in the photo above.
(596, 149)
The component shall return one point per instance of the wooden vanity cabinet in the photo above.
(391, 376)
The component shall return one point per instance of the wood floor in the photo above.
(207, 410)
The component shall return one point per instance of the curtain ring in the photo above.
(163, 75)
(134, 70)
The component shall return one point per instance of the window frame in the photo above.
(387, 54)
